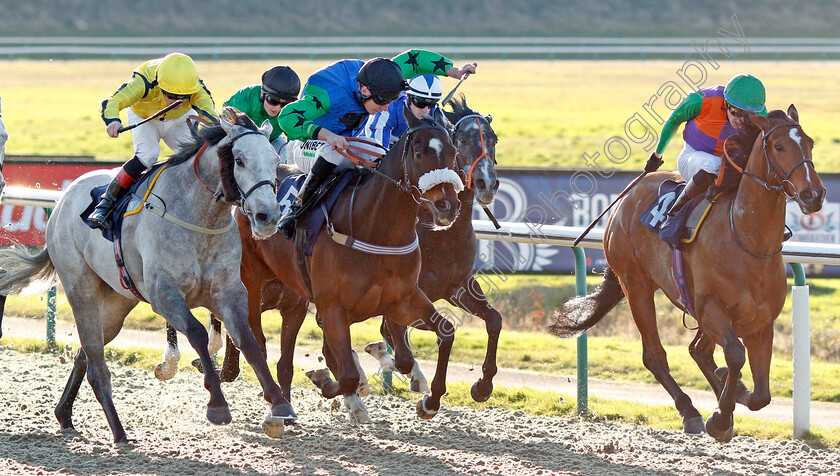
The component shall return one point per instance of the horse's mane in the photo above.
(459, 109)
(211, 134)
(739, 147)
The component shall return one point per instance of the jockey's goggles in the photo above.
(175, 97)
(275, 100)
(382, 98)
(422, 103)
(736, 111)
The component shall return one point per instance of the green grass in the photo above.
(546, 113)
(533, 402)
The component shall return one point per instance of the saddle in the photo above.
(313, 216)
(141, 188)
(684, 226)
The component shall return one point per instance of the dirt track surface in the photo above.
(173, 436)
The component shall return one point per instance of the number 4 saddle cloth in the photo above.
(681, 228)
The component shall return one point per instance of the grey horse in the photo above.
(181, 251)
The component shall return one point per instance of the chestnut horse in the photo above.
(734, 271)
(448, 259)
(350, 286)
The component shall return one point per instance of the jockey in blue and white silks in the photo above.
(422, 95)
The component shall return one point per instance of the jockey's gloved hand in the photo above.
(712, 192)
(653, 163)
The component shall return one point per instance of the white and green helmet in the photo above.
(425, 86)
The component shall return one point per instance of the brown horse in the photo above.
(350, 286)
(448, 259)
(734, 271)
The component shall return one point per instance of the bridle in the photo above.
(240, 201)
(778, 173)
(467, 176)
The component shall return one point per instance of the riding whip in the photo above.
(153, 116)
(449, 96)
(619, 197)
(490, 215)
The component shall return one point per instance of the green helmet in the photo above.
(745, 91)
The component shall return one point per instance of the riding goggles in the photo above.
(422, 103)
(382, 98)
(275, 100)
(175, 97)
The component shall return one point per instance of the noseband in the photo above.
(467, 176)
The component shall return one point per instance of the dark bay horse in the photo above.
(734, 271)
(187, 257)
(350, 286)
(448, 258)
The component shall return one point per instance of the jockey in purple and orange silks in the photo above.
(711, 116)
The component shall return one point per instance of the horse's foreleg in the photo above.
(293, 316)
(215, 338)
(702, 350)
(2, 311)
(760, 351)
(474, 302)
(717, 325)
(404, 361)
(337, 336)
(419, 307)
(640, 298)
(167, 368)
(64, 409)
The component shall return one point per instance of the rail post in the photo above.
(801, 353)
(582, 354)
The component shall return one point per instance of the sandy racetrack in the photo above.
(173, 437)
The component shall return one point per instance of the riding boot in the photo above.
(129, 173)
(320, 171)
(695, 186)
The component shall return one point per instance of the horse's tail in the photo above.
(19, 269)
(583, 312)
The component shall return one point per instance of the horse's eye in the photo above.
(239, 162)
(778, 147)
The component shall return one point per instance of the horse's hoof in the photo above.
(219, 415)
(420, 386)
(319, 377)
(719, 429)
(481, 390)
(165, 370)
(422, 411)
(285, 411)
(694, 426)
(274, 426)
(197, 364)
(360, 417)
(377, 349)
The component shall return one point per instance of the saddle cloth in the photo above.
(327, 195)
(681, 228)
(140, 188)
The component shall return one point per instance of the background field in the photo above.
(546, 113)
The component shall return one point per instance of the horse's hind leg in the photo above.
(474, 302)
(404, 361)
(702, 350)
(64, 409)
(640, 298)
(167, 368)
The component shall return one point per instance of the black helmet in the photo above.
(384, 79)
(281, 84)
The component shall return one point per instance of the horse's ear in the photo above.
(410, 118)
(489, 118)
(793, 113)
(440, 118)
(759, 121)
(228, 120)
(266, 129)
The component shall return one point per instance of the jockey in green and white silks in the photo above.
(336, 102)
(263, 102)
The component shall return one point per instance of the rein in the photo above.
(468, 175)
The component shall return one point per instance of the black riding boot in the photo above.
(106, 203)
(695, 186)
(320, 171)
(129, 174)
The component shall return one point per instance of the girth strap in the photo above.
(365, 247)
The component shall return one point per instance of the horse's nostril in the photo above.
(261, 217)
(480, 184)
(442, 205)
(496, 185)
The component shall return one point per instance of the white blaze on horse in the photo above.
(174, 266)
